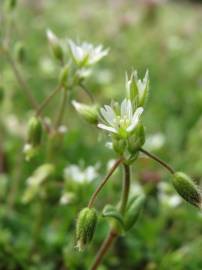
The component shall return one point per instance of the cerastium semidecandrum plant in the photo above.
(121, 121)
(127, 137)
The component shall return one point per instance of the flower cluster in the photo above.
(123, 121)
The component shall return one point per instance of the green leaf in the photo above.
(110, 211)
(134, 209)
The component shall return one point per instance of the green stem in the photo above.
(157, 159)
(101, 185)
(47, 100)
(104, 249)
(21, 81)
(126, 188)
(62, 109)
(85, 89)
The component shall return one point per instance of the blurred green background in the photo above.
(166, 38)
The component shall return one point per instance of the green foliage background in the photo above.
(167, 41)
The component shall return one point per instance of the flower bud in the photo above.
(34, 131)
(55, 45)
(20, 52)
(187, 189)
(1, 93)
(88, 112)
(11, 4)
(85, 227)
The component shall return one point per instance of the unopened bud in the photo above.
(20, 51)
(187, 189)
(88, 112)
(11, 4)
(85, 227)
(1, 93)
(55, 45)
(34, 131)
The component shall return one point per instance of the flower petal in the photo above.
(135, 119)
(110, 129)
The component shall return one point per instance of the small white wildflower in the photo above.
(86, 54)
(155, 141)
(121, 123)
(76, 174)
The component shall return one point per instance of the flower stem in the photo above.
(126, 188)
(21, 81)
(93, 197)
(47, 100)
(160, 161)
(62, 109)
(104, 249)
(85, 89)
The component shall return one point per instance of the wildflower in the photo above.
(86, 54)
(55, 45)
(76, 174)
(121, 121)
(89, 113)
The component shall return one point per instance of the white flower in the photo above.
(76, 174)
(86, 53)
(137, 89)
(121, 123)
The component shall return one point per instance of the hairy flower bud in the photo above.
(1, 93)
(20, 51)
(187, 189)
(34, 131)
(88, 112)
(85, 227)
(55, 45)
(11, 4)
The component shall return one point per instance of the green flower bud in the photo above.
(55, 45)
(1, 94)
(64, 75)
(19, 50)
(187, 189)
(85, 227)
(137, 139)
(34, 131)
(88, 112)
(134, 209)
(11, 4)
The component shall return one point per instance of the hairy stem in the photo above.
(62, 109)
(47, 100)
(126, 188)
(104, 249)
(85, 89)
(160, 161)
(21, 81)
(93, 198)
